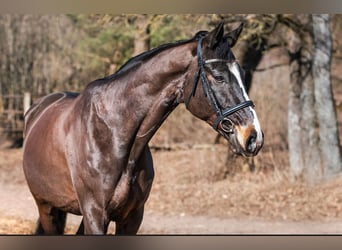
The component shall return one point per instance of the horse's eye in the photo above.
(219, 78)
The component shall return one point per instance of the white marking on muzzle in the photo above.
(233, 67)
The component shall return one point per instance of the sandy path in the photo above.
(17, 202)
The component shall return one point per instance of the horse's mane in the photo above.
(137, 60)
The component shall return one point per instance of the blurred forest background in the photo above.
(40, 54)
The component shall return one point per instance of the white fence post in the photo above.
(27, 101)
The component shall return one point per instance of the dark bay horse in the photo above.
(88, 153)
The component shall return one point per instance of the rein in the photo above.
(221, 114)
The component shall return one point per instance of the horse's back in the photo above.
(42, 104)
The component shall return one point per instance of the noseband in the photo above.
(221, 114)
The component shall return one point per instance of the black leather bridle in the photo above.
(221, 114)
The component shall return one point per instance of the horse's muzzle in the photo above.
(249, 139)
(245, 140)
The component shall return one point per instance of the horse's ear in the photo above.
(216, 35)
(233, 36)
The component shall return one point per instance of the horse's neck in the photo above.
(134, 105)
(153, 87)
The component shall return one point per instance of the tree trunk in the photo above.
(142, 34)
(314, 151)
(294, 120)
(325, 108)
(303, 138)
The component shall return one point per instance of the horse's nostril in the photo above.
(251, 142)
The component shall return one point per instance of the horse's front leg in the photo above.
(141, 187)
(131, 224)
(95, 220)
(92, 205)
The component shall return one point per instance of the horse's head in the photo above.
(222, 100)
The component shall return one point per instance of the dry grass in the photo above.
(10, 225)
(14, 225)
(196, 184)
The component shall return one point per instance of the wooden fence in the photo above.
(12, 109)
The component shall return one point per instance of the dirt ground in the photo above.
(195, 193)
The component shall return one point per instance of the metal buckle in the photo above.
(227, 128)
